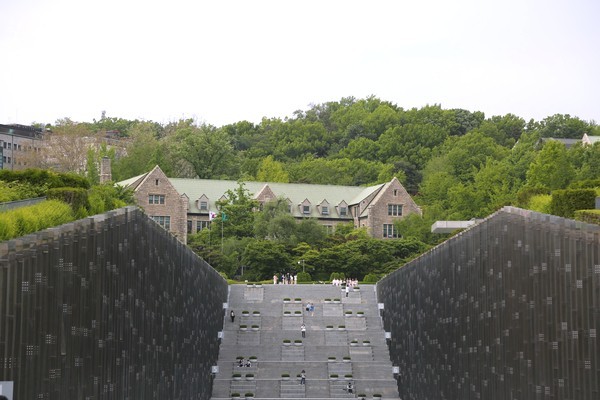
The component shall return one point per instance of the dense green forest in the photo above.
(457, 164)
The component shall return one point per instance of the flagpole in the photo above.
(222, 233)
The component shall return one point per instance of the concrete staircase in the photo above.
(344, 342)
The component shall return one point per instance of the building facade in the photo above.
(185, 206)
(20, 146)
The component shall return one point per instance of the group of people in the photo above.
(285, 279)
(242, 362)
(345, 282)
(310, 307)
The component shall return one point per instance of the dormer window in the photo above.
(306, 209)
(204, 206)
(325, 210)
(343, 211)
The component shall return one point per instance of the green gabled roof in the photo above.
(295, 192)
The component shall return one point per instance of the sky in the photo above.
(224, 61)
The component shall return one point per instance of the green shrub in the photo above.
(104, 197)
(589, 216)
(586, 184)
(337, 275)
(11, 191)
(304, 277)
(76, 197)
(25, 220)
(370, 278)
(525, 195)
(540, 203)
(42, 177)
(565, 202)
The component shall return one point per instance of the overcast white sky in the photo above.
(226, 61)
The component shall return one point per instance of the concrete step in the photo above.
(369, 365)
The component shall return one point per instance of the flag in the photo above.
(212, 215)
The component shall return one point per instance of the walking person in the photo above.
(303, 377)
(347, 290)
(303, 330)
(232, 316)
(350, 388)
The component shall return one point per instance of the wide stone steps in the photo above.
(344, 342)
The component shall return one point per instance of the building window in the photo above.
(202, 225)
(164, 221)
(325, 210)
(395, 192)
(156, 182)
(389, 231)
(156, 199)
(329, 229)
(189, 226)
(395, 210)
(204, 206)
(305, 209)
(343, 211)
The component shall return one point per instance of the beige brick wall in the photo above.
(175, 206)
(392, 193)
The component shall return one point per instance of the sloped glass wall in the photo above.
(508, 309)
(110, 307)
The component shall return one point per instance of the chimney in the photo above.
(105, 172)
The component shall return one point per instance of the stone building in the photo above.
(185, 206)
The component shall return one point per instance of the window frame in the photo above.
(395, 210)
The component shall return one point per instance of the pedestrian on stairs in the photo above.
(350, 388)
(303, 330)
(232, 315)
(303, 377)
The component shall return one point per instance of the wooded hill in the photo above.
(457, 164)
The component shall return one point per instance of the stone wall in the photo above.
(391, 193)
(508, 309)
(109, 307)
(175, 206)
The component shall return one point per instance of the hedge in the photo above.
(25, 220)
(370, 278)
(564, 203)
(76, 197)
(41, 177)
(589, 216)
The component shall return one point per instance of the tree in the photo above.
(551, 168)
(275, 222)
(143, 153)
(468, 153)
(271, 171)
(565, 126)
(206, 149)
(237, 213)
(66, 146)
(413, 143)
(310, 231)
(265, 258)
